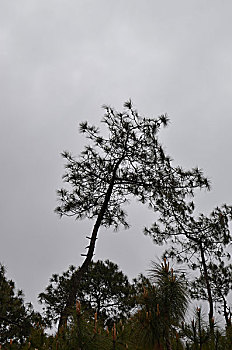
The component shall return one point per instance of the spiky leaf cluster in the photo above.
(162, 306)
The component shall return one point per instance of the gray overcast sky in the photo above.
(59, 62)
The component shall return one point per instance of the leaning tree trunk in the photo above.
(226, 312)
(76, 278)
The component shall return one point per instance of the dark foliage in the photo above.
(16, 317)
(130, 162)
(202, 243)
(103, 290)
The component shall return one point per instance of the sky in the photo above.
(60, 61)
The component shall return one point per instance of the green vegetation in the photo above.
(95, 306)
(104, 289)
(16, 318)
(149, 314)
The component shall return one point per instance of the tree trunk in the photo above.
(226, 313)
(206, 277)
(77, 276)
(168, 344)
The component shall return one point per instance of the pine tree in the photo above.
(200, 242)
(103, 290)
(162, 306)
(130, 162)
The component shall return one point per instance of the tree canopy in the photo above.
(104, 290)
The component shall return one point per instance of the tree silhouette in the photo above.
(201, 243)
(104, 290)
(16, 317)
(130, 162)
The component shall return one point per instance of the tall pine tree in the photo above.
(130, 162)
